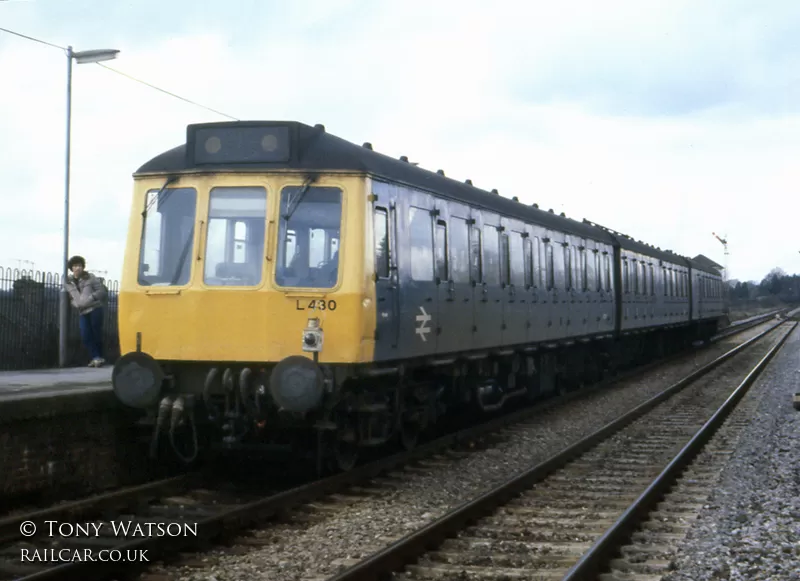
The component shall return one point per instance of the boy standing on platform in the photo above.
(88, 296)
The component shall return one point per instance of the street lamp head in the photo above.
(95, 56)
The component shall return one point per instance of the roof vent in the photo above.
(366, 145)
(494, 191)
(404, 158)
(440, 172)
(550, 210)
(515, 199)
(563, 215)
(535, 205)
(468, 182)
(319, 126)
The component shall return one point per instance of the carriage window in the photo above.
(459, 250)
(441, 251)
(652, 282)
(588, 270)
(573, 262)
(607, 260)
(475, 255)
(491, 256)
(598, 272)
(517, 260)
(584, 265)
(235, 236)
(567, 268)
(505, 266)
(577, 276)
(527, 262)
(635, 272)
(536, 263)
(381, 225)
(308, 237)
(420, 231)
(549, 268)
(166, 254)
(625, 277)
(643, 280)
(664, 278)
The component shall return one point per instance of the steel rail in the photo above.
(607, 546)
(245, 515)
(130, 496)
(407, 549)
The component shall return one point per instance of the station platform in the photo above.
(50, 382)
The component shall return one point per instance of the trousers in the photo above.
(91, 325)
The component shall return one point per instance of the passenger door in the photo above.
(516, 308)
(419, 294)
(386, 281)
(453, 278)
(488, 295)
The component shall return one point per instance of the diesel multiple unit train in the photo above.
(283, 287)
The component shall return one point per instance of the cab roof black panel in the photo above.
(315, 150)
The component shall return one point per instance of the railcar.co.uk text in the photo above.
(119, 529)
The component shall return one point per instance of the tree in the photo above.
(772, 283)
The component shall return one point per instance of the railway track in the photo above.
(212, 515)
(625, 490)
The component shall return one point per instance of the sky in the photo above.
(666, 121)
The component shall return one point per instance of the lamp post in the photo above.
(81, 57)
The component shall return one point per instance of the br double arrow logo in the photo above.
(422, 324)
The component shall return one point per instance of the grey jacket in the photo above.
(87, 292)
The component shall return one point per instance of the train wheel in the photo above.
(344, 450)
(409, 431)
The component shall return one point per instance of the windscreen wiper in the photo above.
(184, 253)
(170, 179)
(300, 196)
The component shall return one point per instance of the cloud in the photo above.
(659, 58)
(666, 123)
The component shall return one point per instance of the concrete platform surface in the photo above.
(52, 381)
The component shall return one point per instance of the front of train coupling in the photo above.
(175, 413)
(242, 411)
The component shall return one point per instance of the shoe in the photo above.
(100, 362)
(93, 363)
